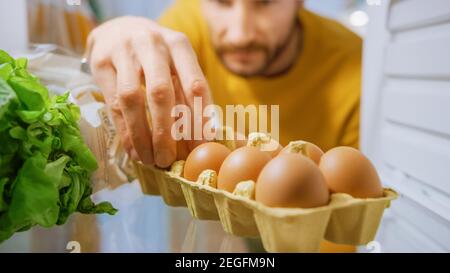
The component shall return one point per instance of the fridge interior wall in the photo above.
(406, 119)
(13, 24)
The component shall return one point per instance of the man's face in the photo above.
(249, 35)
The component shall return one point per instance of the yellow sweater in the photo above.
(318, 97)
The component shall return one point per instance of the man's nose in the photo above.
(241, 30)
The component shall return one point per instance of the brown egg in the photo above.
(305, 148)
(291, 181)
(347, 170)
(226, 136)
(265, 143)
(207, 156)
(242, 164)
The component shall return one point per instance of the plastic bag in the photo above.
(60, 72)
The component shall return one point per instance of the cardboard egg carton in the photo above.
(345, 220)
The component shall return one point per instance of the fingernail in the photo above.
(147, 157)
(134, 155)
(164, 158)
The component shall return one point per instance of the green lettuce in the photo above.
(45, 166)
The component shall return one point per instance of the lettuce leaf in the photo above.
(45, 166)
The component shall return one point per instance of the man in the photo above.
(250, 51)
(260, 52)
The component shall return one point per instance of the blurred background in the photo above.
(67, 23)
(144, 223)
(405, 126)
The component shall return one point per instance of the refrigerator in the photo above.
(406, 120)
(405, 131)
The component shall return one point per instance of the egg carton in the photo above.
(345, 220)
(155, 181)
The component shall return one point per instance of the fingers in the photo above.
(143, 119)
(105, 76)
(188, 69)
(193, 81)
(131, 98)
(154, 57)
(89, 45)
(182, 145)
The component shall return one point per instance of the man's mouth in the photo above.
(242, 55)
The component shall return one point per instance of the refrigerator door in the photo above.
(406, 119)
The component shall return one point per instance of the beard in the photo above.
(270, 54)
